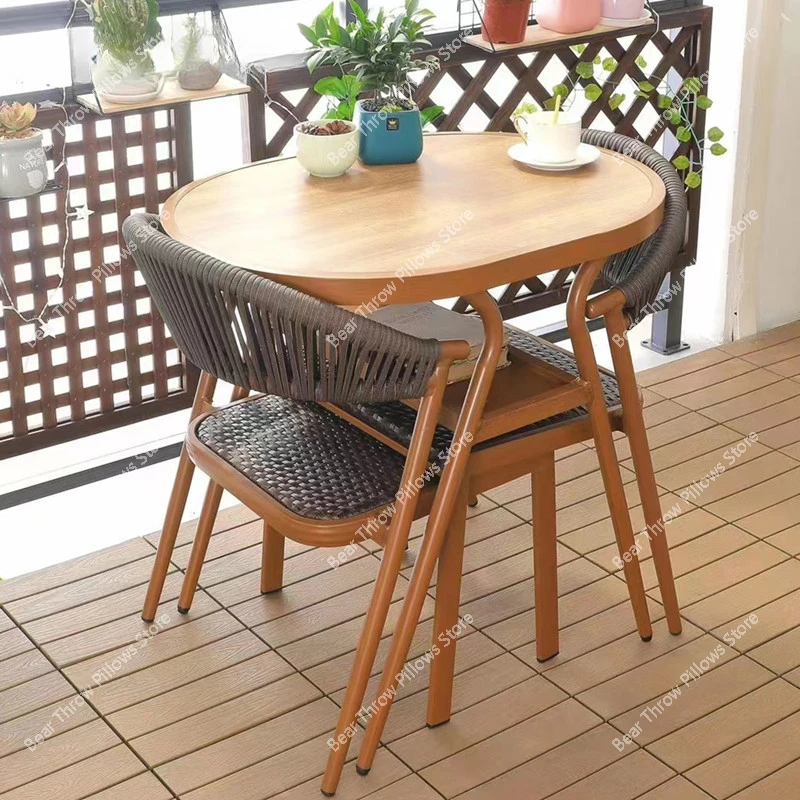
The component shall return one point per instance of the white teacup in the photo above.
(547, 142)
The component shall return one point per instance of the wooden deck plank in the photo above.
(50, 578)
(217, 703)
(83, 779)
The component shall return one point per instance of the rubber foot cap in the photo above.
(327, 794)
(676, 633)
(182, 610)
(361, 771)
(647, 638)
(549, 658)
(144, 619)
(438, 724)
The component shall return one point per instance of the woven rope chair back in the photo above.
(258, 334)
(640, 271)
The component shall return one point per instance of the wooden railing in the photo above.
(107, 360)
(677, 51)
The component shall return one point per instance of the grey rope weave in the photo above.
(639, 272)
(258, 334)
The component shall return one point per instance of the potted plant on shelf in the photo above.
(381, 53)
(23, 164)
(568, 16)
(505, 21)
(197, 59)
(125, 32)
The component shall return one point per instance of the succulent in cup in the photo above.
(16, 120)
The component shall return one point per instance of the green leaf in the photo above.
(693, 180)
(718, 150)
(358, 12)
(309, 33)
(429, 114)
(646, 87)
(664, 101)
(320, 26)
(640, 62)
(578, 48)
(681, 162)
(597, 59)
(585, 69)
(640, 93)
(315, 60)
(684, 134)
(704, 102)
(615, 101)
(331, 87)
(561, 89)
(715, 134)
(609, 64)
(693, 85)
(674, 117)
(592, 92)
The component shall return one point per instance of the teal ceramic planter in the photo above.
(389, 137)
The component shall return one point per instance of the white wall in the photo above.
(764, 290)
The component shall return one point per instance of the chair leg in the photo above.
(448, 596)
(643, 464)
(604, 443)
(205, 525)
(272, 560)
(175, 508)
(391, 561)
(545, 558)
(444, 504)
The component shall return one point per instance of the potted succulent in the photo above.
(125, 32)
(197, 59)
(23, 164)
(380, 52)
(505, 21)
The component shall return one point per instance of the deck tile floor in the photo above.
(236, 700)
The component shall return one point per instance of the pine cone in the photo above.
(337, 127)
(323, 131)
(310, 128)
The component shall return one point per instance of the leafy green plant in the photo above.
(380, 52)
(676, 106)
(344, 91)
(127, 30)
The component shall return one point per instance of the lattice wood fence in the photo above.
(480, 91)
(106, 359)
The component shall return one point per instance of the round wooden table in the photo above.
(462, 220)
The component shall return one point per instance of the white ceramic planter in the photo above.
(23, 166)
(327, 156)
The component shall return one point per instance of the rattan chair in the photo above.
(635, 277)
(310, 475)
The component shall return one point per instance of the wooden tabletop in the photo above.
(464, 218)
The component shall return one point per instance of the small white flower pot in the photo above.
(327, 156)
(23, 166)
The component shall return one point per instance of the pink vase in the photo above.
(568, 16)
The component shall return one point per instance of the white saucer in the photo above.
(586, 155)
(612, 22)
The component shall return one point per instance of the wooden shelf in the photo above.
(526, 391)
(171, 95)
(537, 36)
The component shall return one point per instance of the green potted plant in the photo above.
(125, 32)
(23, 164)
(197, 58)
(380, 52)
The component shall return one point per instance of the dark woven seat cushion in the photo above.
(311, 461)
(396, 420)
